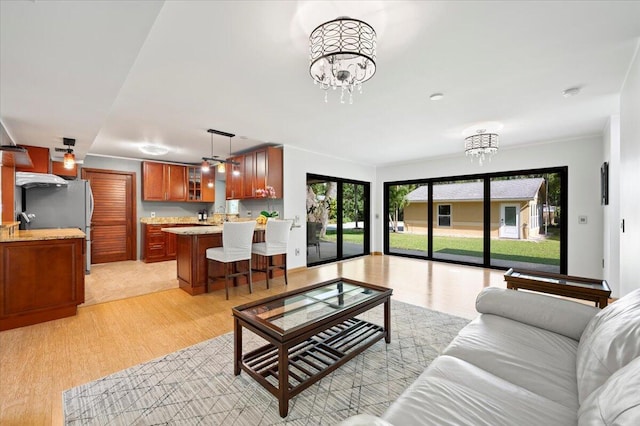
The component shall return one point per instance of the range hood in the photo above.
(32, 180)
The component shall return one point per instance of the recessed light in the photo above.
(572, 91)
(151, 149)
(436, 96)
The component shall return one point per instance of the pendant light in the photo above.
(69, 159)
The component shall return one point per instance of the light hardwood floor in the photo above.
(38, 362)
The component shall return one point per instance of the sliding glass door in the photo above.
(337, 219)
(510, 219)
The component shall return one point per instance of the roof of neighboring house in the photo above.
(513, 189)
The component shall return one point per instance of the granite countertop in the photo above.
(217, 218)
(195, 230)
(202, 230)
(43, 234)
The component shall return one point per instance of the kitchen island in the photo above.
(42, 276)
(191, 247)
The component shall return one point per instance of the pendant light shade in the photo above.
(69, 160)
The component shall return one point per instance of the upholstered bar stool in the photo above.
(276, 239)
(236, 247)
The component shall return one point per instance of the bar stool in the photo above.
(276, 239)
(236, 247)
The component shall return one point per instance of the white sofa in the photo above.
(530, 359)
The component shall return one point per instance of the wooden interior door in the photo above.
(113, 224)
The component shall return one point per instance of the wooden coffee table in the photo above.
(310, 332)
(597, 291)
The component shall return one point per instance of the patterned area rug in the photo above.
(196, 385)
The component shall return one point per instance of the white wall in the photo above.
(630, 179)
(297, 163)
(611, 219)
(583, 156)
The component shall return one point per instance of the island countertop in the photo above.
(202, 230)
(42, 234)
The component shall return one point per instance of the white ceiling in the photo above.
(115, 75)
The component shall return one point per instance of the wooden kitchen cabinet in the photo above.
(163, 182)
(268, 169)
(40, 281)
(257, 170)
(57, 168)
(235, 176)
(39, 158)
(158, 246)
(198, 183)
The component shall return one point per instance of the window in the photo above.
(444, 215)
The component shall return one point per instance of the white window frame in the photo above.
(450, 216)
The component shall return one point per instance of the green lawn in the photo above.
(544, 251)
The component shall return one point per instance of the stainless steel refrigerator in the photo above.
(68, 206)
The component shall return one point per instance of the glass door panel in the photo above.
(458, 217)
(525, 225)
(322, 244)
(353, 220)
(337, 219)
(408, 229)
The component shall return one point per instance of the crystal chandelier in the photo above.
(342, 54)
(480, 145)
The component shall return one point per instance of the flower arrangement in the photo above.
(266, 192)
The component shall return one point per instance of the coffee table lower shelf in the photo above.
(311, 359)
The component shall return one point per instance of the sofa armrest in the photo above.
(364, 420)
(561, 316)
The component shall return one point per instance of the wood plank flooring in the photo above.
(38, 362)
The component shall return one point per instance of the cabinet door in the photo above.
(194, 183)
(57, 168)
(248, 188)
(176, 182)
(208, 190)
(170, 241)
(260, 177)
(153, 181)
(39, 158)
(273, 170)
(235, 176)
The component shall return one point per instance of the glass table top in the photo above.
(308, 307)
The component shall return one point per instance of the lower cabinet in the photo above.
(158, 246)
(40, 280)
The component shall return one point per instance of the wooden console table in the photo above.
(597, 291)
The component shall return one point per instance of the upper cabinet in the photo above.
(39, 158)
(268, 171)
(256, 170)
(57, 168)
(201, 184)
(163, 182)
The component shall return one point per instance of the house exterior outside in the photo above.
(516, 209)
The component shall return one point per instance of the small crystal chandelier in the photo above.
(342, 54)
(480, 145)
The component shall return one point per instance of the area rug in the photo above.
(196, 385)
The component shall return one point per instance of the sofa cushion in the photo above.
(561, 316)
(609, 342)
(452, 391)
(617, 401)
(538, 360)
